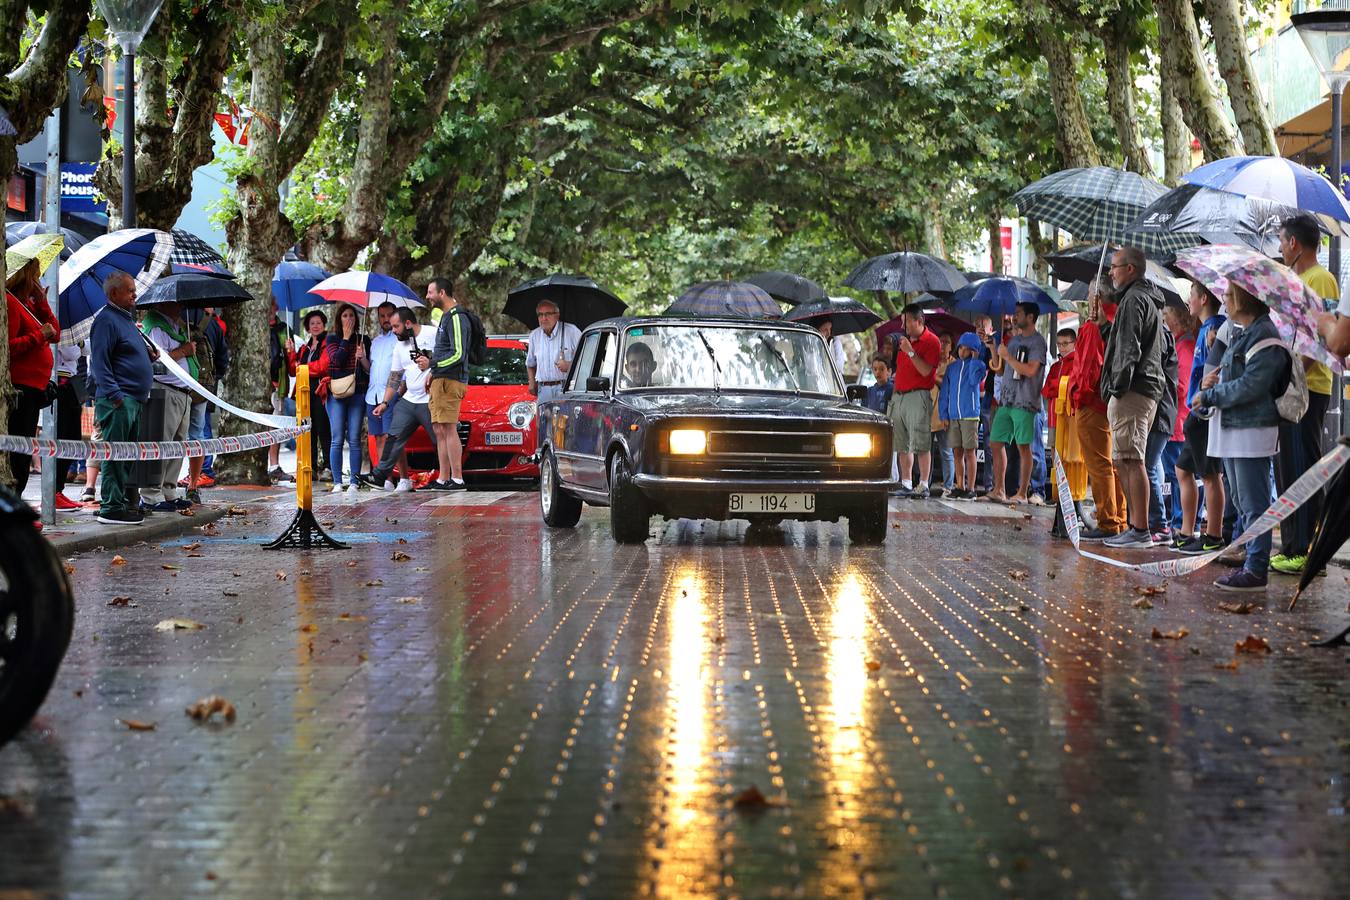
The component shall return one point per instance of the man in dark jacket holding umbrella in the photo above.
(1132, 383)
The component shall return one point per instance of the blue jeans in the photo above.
(1170, 454)
(986, 422)
(1250, 483)
(344, 418)
(1157, 440)
(199, 429)
(1039, 480)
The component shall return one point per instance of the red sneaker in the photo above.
(64, 502)
(204, 480)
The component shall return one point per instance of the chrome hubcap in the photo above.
(546, 484)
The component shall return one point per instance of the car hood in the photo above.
(784, 406)
(482, 399)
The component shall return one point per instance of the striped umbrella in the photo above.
(725, 298)
(365, 289)
(142, 253)
(1277, 180)
(1099, 204)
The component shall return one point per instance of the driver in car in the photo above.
(638, 365)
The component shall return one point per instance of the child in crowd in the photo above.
(879, 396)
(959, 407)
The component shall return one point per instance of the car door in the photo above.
(568, 408)
(592, 413)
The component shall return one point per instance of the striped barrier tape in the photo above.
(1309, 483)
(259, 418)
(129, 451)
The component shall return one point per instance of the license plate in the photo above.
(502, 438)
(771, 503)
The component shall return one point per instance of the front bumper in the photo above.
(681, 497)
(655, 485)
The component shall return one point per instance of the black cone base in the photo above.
(304, 533)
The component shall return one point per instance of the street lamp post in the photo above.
(129, 20)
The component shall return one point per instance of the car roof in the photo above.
(628, 321)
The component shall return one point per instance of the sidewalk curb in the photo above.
(159, 526)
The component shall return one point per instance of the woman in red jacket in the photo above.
(32, 331)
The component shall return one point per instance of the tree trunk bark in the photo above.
(1183, 60)
(1235, 65)
(1176, 142)
(1041, 247)
(1077, 147)
(1120, 99)
(886, 305)
(995, 242)
(934, 230)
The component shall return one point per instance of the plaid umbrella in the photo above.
(1294, 306)
(847, 316)
(788, 288)
(191, 253)
(906, 271)
(1098, 204)
(725, 298)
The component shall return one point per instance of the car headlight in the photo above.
(688, 441)
(852, 445)
(521, 414)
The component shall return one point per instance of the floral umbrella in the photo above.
(1294, 306)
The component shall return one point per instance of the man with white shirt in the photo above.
(163, 324)
(551, 348)
(409, 374)
(382, 349)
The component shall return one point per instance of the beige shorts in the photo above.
(446, 396)
(963, 434)
(911, 415)
(1131, 416)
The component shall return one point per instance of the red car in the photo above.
(496, 419)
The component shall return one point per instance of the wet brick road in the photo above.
(968, 712)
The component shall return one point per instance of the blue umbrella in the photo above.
(1277, 180)
(725, 298)
(997, 297)
(142, 253)
(292, 281)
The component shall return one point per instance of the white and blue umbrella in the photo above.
(365, 289)
(142, 253)
(291, 283)
(1277, 180)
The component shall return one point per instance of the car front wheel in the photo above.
(560, 509)
(629, 513)
(868, 521)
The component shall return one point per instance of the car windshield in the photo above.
(504, 365)
(755, 357)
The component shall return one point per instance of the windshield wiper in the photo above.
(786, 368)
(717, 369)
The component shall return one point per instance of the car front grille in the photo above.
(463, 429)
(772, 444)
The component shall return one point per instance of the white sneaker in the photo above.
(352, 488)
(404, 486)
(336, 489)
(390, 485)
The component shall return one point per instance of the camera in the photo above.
(417, 353)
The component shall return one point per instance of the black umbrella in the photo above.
(1075, 293)
(1217, 216)
(194, 291)
(787, 288)
(17, 231)
(847, 316)
(580, 300)
(906, 271)
(1332, 531)
(1080, 264)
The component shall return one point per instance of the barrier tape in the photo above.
(258, 418)
(128, 451)
(1309, 483)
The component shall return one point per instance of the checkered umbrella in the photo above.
(1099, 204)
(191, 253)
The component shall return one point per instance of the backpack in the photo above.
(1293, 403)
(206, 359)
(476, 352)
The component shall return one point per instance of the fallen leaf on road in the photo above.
(400, 556)
(873, 665)
(203, 710)
(118, 561)
(391, 521)
(375, 583)
(1252, 644)
(1151, 590)
(403, 540)
(134, 725)
(195, 545)
(752, 800)
(1143, 603)
(281, 576)
(70, 568)
(236, 511)
(1231, 665)
(408, 600)
(348, 617)
(230, 593)
(187, 512)
(351, 563)
(1238, 609)
(967, 558)
(169, 567)
(121, 601)
(1170, 635)
(309, 628)
(361, 657)
(179, 625)
(1018, 574)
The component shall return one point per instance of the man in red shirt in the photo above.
(911, 407)
(1094, 430)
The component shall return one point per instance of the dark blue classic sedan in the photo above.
(710, 419)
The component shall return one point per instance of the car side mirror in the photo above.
(856, 393)
(597, 384)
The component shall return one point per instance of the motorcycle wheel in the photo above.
(37, 615)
